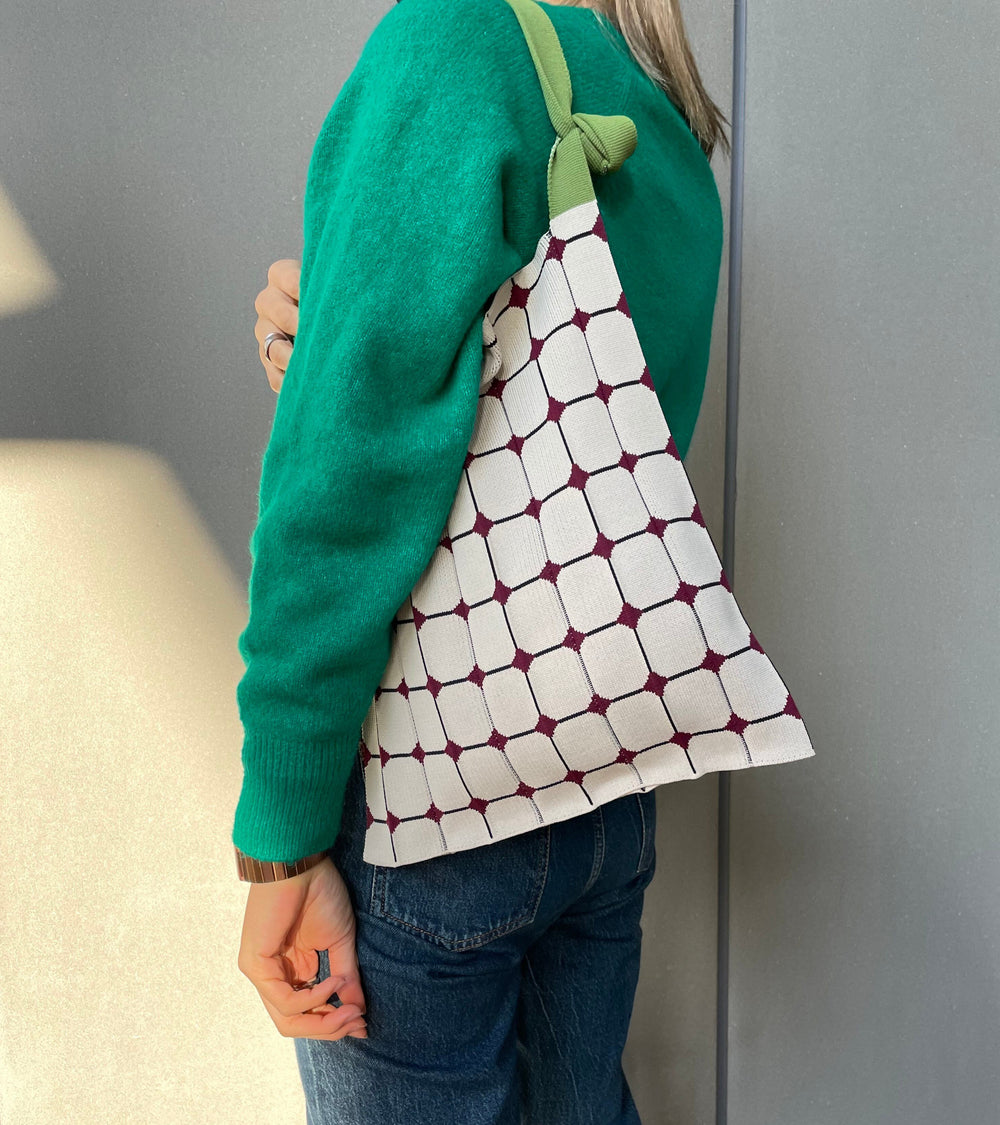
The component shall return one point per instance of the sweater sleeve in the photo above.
(403, 246)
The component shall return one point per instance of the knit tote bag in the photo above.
(573, 638)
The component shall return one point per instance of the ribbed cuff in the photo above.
(292, 799)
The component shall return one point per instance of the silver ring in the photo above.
(269, 340)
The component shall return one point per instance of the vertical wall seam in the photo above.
(733, 305)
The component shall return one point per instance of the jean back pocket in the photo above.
(462, 900)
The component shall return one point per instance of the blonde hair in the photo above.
(654, 32)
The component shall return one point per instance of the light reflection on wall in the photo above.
(27, 281)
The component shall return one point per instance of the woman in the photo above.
(499, 980)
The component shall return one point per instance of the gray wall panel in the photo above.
(865, 958)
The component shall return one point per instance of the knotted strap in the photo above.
(586, 141)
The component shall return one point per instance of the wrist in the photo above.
(251, 870)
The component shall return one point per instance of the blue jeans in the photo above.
(499, 981)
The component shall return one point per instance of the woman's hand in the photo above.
(277, 308)
(286, 922)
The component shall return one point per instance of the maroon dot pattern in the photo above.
(573, 638)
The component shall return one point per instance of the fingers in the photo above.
(278, 311)
(303, 1012)
(331, 1025)
(344, 980)
(280, 352)
(280, 303)
(284, 273)
(290, 1000)
(357, 1026)
(344, 968)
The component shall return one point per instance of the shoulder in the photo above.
(441, 22)
(432, 83)
(447, 38)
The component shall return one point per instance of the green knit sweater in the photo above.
(425, 191)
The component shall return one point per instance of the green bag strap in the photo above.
(586, 141)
